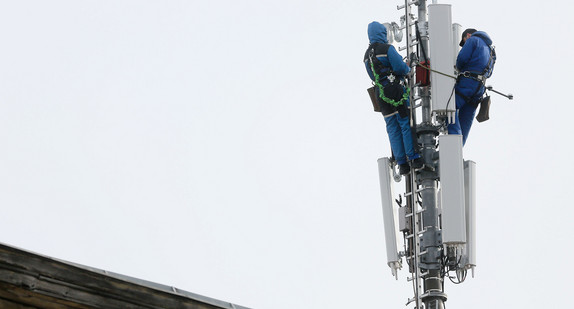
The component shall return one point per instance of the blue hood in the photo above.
(483, 36)
(377, 33)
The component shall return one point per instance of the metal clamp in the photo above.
(478, 77)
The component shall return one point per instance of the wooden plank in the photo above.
(33, 280)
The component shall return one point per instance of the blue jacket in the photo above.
(475, 53)
(378, 34)
(474, 57)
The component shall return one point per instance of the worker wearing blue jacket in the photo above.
(474, 63)
(387, 69)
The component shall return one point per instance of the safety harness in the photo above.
(381, 72)
(481, 78)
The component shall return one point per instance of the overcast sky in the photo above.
(229, 148)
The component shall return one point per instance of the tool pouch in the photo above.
(374, 100)
(484, 109)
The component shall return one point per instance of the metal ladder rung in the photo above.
(411, 278)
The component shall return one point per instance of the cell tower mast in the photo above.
(437, 219)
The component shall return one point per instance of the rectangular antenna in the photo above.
(390, 214)
(456, 36)
(441, 59)
(470, 208)
(452, 189)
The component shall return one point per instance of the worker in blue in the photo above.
(387, 70)
(475, 63)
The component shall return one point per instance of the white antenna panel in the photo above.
(452, 189)
(441, 60)
(390, 214)
(470, 208)
(456, 36)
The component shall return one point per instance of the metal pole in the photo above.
(410, 179)
(424, 92)
(431, 240)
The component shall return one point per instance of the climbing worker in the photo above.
(387, 70)
(475, 63)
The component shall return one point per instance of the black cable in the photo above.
(458, 278)
(420, 40)
(448, 103)
(451, 93)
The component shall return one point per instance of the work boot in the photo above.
(417, 163)
(404, 169)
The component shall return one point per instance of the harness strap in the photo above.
(475, 76)
(480, 78)
(382, 91)
(382, 74)
(466, 99)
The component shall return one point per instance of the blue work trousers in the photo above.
(401, 138)
(468, 94)
(464, 116)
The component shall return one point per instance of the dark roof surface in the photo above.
(30, 281)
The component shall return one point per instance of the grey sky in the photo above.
(228, 148)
